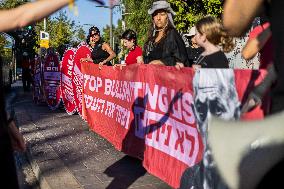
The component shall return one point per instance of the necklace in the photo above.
(199, 59)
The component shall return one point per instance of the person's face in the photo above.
(94, 37)
(214, 101)
(200, 39)
(160, 18)
(129, 44)
(193, 42)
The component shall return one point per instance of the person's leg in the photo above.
(8, 176)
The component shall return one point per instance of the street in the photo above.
(65, 154)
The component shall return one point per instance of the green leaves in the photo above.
(62, 31)
(188, 12)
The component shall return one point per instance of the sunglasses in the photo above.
(94, 34)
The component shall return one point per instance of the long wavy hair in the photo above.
(153, 34)
(215, 33)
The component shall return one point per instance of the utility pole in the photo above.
(44, 24)
(111, 22)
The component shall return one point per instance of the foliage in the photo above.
(62, 31)
(190, 11)
(8, 4)
(137, 18)
(187, 13)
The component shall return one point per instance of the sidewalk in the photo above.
(65, 155)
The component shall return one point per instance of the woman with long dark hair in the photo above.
(135, 53)
(164, 45)
(102, 53)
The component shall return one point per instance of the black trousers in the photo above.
(8, 173)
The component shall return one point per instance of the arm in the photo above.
(28, 13)
(239, 14)
(111, 53)
(254, 45)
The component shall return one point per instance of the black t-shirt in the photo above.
(170, 49)
(98, 54)
(215, 60)
(193, 54)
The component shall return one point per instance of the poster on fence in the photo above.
(37, 96)
(51, 77)
(83, 51)
(66, 86)
(151, 116)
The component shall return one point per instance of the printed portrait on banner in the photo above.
(215, 94)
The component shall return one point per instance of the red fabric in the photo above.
(132, 55)
(66, 81)
(129, 108)
(266, 53)
(82, 51)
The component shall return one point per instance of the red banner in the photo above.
(51, 76)
(150, 115)
(66, 81)
(83, 51)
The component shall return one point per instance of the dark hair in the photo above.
(130, 35)
(152, 34)
(94, 29)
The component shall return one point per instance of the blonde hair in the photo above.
(215, 33)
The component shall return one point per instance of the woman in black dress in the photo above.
(102, 53)
(164, 46)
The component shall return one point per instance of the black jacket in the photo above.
(170, 49)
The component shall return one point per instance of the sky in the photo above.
(90, 15)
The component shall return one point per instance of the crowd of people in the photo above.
(165, 47)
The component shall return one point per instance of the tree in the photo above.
(188, 12)
(80, 34)
(62, 31)
(137, 17)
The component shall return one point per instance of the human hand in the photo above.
(196, 67)
(88, 59)
(156, 62)
(82, 60)
(118, 65)
(17, 139)
(101, 64)
(179, 65)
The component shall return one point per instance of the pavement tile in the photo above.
(85, 177)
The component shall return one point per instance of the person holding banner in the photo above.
(260, 41)
(135, 54)
(210, 35)
(164, 46)
(102, 53)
